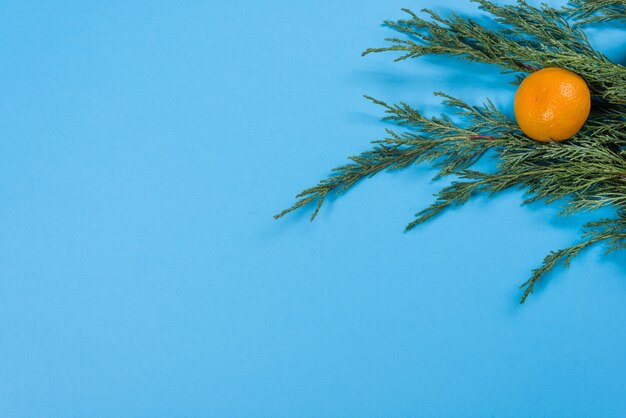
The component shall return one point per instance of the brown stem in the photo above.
(526, 66)
(491, 138)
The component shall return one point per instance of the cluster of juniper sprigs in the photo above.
(586, 172)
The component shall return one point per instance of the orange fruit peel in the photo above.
(552, 104)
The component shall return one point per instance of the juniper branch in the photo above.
(611, 231)
(441, 142)
(528, 38)
(585, 173)
(587, 12)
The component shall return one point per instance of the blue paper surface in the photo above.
(145, 148)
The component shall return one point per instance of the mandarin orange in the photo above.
(552, 104)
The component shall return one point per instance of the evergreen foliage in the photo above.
(586, 173)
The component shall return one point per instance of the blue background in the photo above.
(145, 147)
